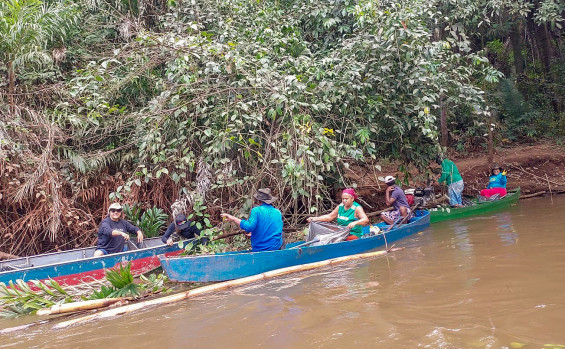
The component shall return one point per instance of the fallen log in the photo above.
(215, 287)
(522, 197)
(225, 235)
(4, 255)
(376, 213)
(79, 306)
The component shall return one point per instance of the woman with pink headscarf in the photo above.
(349, 214)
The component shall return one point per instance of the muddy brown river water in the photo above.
(494, 281)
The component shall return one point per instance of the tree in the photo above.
(27, 29)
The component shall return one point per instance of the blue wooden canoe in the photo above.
(78, 266)
(234, 265)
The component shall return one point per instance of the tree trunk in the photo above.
(517, 48)
(490, 143)
(443, 121)
(11, 87)
(544, 46)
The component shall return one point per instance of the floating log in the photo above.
(79, 306)
(21, 327)
(215, 287)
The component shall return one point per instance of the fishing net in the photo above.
(323, 233)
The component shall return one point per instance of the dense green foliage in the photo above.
(151, 221)
(209, 100)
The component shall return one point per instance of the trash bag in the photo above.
(467, 202)
(494, 197)
(481, 198)
(323, 233)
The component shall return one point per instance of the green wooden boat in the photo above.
(443, 214)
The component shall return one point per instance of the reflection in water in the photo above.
(508, 235)
(463, 284)
(461, 237)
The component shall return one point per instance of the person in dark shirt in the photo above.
(395, 197)
(181, 226)
(114, 232)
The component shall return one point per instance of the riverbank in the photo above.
(539, 169)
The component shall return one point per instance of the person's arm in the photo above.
(132, 229)
(325, 218)
(106, 229)
(389, 199)
(503, 180)
(489, 182)
(166, 237)
(231, 218)
(444, 173)
(194, 229)
(361, 216)
(250, 224)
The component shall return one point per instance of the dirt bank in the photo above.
(535, 168)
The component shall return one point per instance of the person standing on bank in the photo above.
(450, 175)
(114, 232)
(349, 214)
(395, 197)
(182, 226)
(264, 225)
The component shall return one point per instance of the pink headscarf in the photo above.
(351, 192)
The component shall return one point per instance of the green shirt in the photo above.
(344, 217)
(449, 172)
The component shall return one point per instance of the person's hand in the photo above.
(310, 219)
(389, 189)
(227, 216)
(139, 237)
(125, 236)
(351, 225)
(170, 242)
(504, 173)
(248, 235)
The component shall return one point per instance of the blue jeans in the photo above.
(454, 191)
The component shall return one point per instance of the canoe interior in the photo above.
(67, 256)
(480, 207)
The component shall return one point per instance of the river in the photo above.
(493, 281)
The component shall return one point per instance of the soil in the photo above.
(538, 169)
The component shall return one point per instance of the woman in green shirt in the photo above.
(349, 214)
(450, 175)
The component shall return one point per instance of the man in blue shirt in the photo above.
(264, 225)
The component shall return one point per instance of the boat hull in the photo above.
(481, 207)
(79, 266)
(234, 265)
